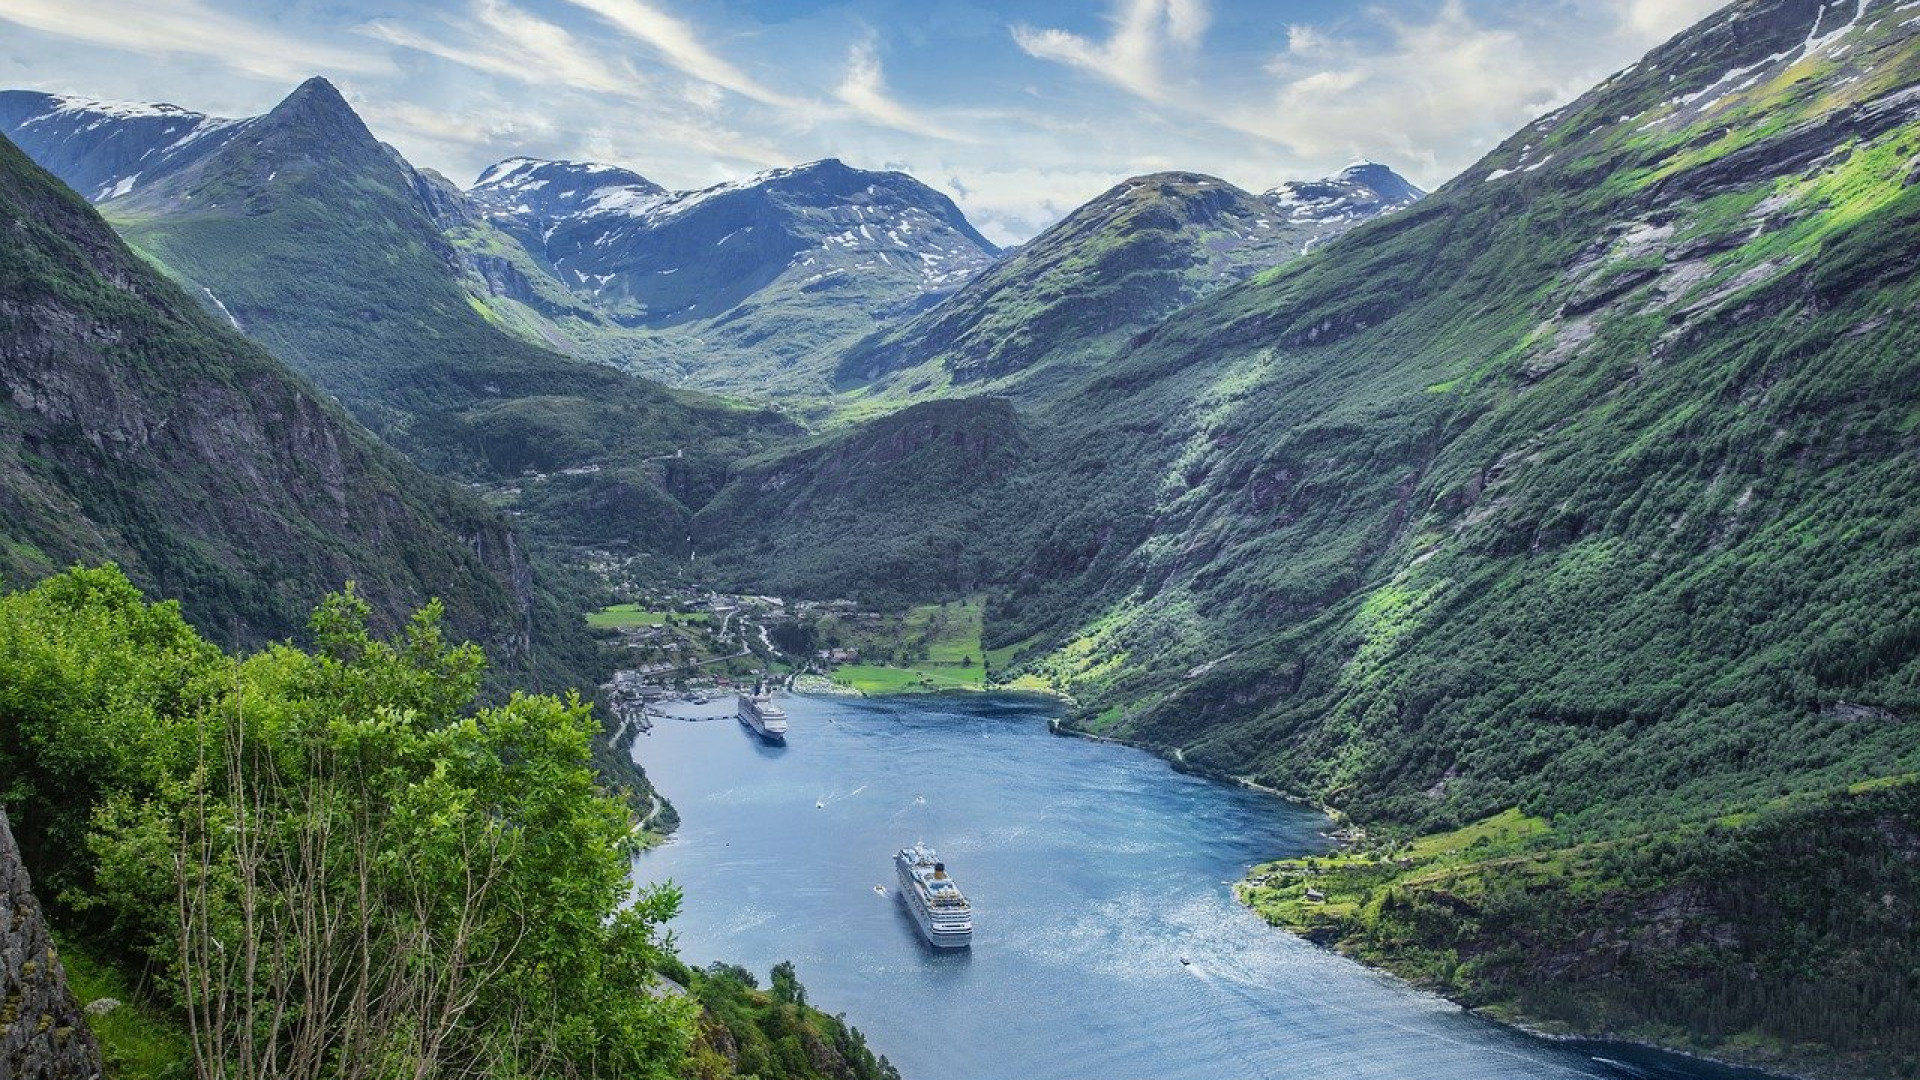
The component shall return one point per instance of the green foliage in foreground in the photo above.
(338, 864)
(1784, 938)
(334, 864)
(138, 1040)
(747, 1032)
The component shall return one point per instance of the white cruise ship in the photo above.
(757, 711)
(939, 907)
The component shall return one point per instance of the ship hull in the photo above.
(762, 718)
(936, 935)
(753, 724)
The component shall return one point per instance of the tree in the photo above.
(786, 985)
(348, 870)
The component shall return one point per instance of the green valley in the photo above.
(1556, 532)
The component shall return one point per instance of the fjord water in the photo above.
(1094, 870)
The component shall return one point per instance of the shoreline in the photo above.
(1529, 1026)
(1592, 1043)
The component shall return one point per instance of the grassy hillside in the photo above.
(1759, 936)
(1581, 487)
(928, 649)
(141, 430)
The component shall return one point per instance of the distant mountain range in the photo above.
(758, 286)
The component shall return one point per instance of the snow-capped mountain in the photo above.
(530, 190)
(1357, 193)
(881, 240)
(105, 149)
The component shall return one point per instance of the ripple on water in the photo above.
(1094, 869)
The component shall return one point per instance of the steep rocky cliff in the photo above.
(140, 429)
(43, 1035)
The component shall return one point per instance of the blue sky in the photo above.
(1020, 110)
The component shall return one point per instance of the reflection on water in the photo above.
(1094, 872)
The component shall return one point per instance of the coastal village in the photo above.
(691, 644)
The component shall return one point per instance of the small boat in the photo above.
(879, 890)
(819, 805)
(1184, 962)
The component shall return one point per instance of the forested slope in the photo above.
(140, 429)
(1581, 489)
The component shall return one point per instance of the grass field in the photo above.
(943, 641)
(620, 616)
(874, 679)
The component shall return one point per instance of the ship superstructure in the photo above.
(757, 711)
(944, 915)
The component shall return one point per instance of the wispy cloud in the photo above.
(1133, 57)
(1028, 123)
(679, 44)
(864, 90)
(1427, 89)
(1653, 21)
(501, 39)
(180, 28)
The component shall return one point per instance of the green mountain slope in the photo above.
(1583, 487)
(1113, 268)
(930, 500)
(1613, 452)
(323, 244)
(141, 430)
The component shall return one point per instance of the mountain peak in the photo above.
(318, 104)
(316, 93)
(1381, 180)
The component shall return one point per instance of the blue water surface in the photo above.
(1093, 869)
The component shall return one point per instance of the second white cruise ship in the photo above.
(757, 711)
(939, 907)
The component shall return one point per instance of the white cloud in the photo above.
(1010, 205)
(1134, 56)
(1432, 86)
(1653, 21)
(182, 28)
(515, 45)
(679, 45)
(864, 90)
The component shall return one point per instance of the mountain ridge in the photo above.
(1113, 268)
(328, 248)
(149, 433)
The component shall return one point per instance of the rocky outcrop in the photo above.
(43, 1035)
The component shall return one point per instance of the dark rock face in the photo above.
(43, 1035)
(139, 429)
